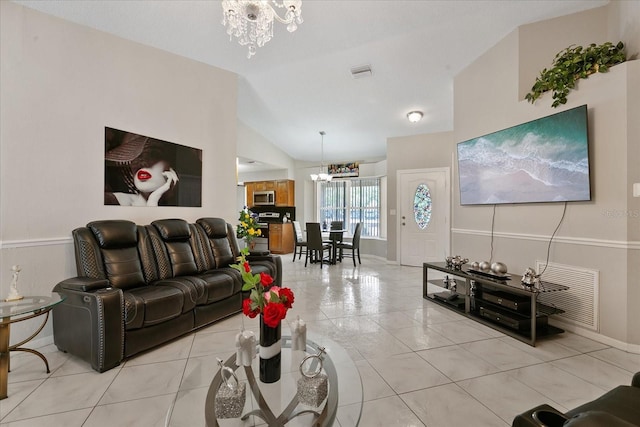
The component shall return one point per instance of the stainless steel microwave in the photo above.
(264, 198)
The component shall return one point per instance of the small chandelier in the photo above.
(321, 176)
(251, 21)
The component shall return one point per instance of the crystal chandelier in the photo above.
(251, 21)
(321, 176)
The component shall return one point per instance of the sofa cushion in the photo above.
(173, 251)
(123, 268)
(150, 305)
(201, 247)
(219, 285)
(214, 227)
(193, 289)
(216, 231)
(114, 234)
(173, 230)
(117, 243)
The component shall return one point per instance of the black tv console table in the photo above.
(502, 303)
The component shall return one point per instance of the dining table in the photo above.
(334, 237)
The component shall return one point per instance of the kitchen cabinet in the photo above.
(281, 238)
(284, 189)
(265, 186)
(285, 192)
(249, 189)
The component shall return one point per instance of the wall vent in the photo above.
(361, 72)
(580, 302)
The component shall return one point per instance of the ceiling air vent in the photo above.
(361, 72)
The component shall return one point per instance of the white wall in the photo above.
(488, 97)
(62, 83)
(254, 146)
(269, 175)
(539, 42)
(603, 234)
(412, 152)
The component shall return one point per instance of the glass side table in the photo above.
(17, 311)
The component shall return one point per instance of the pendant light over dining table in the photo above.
(322, 175)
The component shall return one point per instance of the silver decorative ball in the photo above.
(484, 266)
(475, 265)
(499, 268)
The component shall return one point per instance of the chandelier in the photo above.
(251, 21)
(321, 176)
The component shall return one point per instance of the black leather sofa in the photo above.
(139, 286)
(619, 407)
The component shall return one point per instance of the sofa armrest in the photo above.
(635, 382)
(277, 262)
(259, 253)
(90, 323)
(540, 416)
(82, 284)
(253, 257)
(596, 419)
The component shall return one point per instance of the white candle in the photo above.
(298, 334)
(245, 348)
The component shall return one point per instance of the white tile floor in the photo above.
(420, 364)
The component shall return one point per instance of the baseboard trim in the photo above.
(620, 345)
(613, 244)
(377, 258)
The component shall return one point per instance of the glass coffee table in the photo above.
(17, 311)
(277, 404)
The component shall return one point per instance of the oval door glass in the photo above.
(422, 206)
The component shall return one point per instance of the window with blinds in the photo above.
(351, 201)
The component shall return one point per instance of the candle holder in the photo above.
(298, 334)
(231, 396)
(313, 386)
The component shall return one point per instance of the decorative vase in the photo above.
(270, 357)
(251, 244)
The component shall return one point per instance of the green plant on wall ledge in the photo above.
(573, 63)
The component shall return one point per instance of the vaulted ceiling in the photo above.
(300, 83)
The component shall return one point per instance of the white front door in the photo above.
(423, 215)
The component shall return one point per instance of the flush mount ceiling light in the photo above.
(251, 21)
(414, 116)
(321, 176)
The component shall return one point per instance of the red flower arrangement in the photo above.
(270, 301)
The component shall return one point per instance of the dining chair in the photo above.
(315, 245)
(335, 225)
(354, 245)
(335, 237)
(299, 241)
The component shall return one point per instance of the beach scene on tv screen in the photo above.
(545, 160)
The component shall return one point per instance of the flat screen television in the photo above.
(544, 160)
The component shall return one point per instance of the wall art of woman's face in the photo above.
(145, 171)
(149, 179)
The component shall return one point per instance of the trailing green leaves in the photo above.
(573, 63)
